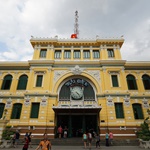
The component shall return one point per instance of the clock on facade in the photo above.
(76, 92)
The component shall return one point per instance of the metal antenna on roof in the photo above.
(76, 25)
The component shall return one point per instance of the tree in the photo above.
(7, 132)
(144, 133)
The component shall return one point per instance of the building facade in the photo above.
(80, 84)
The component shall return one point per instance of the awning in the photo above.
(77, 109)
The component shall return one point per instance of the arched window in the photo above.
(137, 111)
(131, 81)
(7, 82)
(2, 105)
(22, 82)
(146, 82)
(88, 92)
(16, 111)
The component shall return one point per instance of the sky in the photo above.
(21, 19)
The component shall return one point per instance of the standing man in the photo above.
(97, 140)
(26, 143)
(45, 144)
(60, 131)
(111, 138)
(17, 138)
(107, 139)
(29, 138)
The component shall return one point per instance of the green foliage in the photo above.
(144, 133)
(7, 132)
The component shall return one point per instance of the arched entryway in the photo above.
(77, 108)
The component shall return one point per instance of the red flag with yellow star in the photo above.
(74, 36)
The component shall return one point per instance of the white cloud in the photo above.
(138, 44)
(47, 18)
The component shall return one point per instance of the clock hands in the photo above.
(78, 93)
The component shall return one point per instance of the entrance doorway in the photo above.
(78, 124)
(77, 130)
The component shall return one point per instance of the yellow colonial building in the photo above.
(82, 84)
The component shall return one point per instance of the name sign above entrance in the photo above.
(76, 81)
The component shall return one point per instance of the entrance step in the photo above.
(67, 141)
(79, 142)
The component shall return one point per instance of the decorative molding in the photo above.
(9, 103)
(126, 101)
(44, 101)
(39, 72)
(27, 101)
(104, 69)
(49, 69)
(95, 74)
(122, 69)
(110, 101)
(114, 72)
(77, 70)
(59, 73)
(31, 69)
(145, 103)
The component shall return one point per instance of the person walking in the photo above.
(97, 140)
(29, 137)
(44, 144)
(107, 139)
(17, 138)
(60, 131)
(26, 143)
(26, 134)
(111, 138)
(85, 139)
(90, 139)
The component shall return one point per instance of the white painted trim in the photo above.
(120, 135)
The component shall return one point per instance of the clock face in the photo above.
(76, 92)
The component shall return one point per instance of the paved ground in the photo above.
(81, 148)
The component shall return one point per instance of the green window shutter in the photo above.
(114, 80)
(43, 53)
(86, 54)
(16, 112)
(35, 110)
(58, 54)
(39, 80)
(7, 82)
(22, 82)
(119, 110)
(67, 54)
(131, 82)
(137, 110)
(96, 54)
(76, 54)
(110, 52)
(146, 82)
(2, 105)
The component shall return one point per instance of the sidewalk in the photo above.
(80, 148)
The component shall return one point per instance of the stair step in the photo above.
(79, 142)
